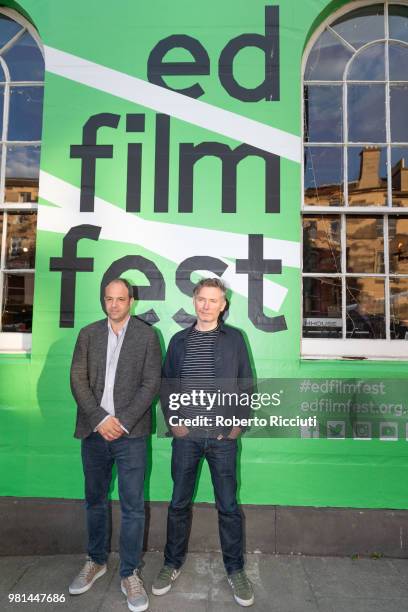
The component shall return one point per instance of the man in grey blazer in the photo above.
(115, 375)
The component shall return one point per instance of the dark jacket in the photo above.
(137, 378)
(233, 372)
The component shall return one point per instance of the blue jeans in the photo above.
(98, 457)
(222, 458)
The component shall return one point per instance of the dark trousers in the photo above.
(222, 458)
(98, 457)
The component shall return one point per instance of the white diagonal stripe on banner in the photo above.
(172, 103)
(171, 241)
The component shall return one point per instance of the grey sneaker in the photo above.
(164, 580)
(133, 588)
(86, 577)
(241, 588)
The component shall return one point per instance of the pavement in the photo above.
(281, 584)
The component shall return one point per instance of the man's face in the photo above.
(209, 304)
(117, 302)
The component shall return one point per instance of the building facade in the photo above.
(266, 143)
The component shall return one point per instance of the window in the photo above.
(355, 192)
(21, 101)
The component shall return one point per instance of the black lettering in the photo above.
(230, 158)
(186, 286)
(154, 291)
(256, 266)
(134, 123)
(69, 264)
(161, 168)
(156, 68)
(269, 44)
(88, 152)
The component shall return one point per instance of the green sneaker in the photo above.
(241, 588)
(164, 580)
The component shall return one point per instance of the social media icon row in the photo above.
(362, 430)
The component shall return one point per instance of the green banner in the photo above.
(171, 150)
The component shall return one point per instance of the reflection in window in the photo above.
(398, 22)
(321, 243)
(365, 314)
(8, 29)
(22, 173)
(369, 64)
(365, 245)
(327, 59)
(367, 174)
(18, 291)
(398, 109)
(20, 156)
(323, 176)
(322, 308)
(20, 246)
(366, 113)
(398, 244)
(398, 55)
(399, 308)
(355, 163)
(369, 116)
(24, 60)
(25, 120)
(361, 26)
(399, 172)
(323, 114)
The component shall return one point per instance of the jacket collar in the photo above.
(185, 332)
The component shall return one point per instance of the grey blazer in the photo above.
(137, 378)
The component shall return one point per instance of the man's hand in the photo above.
(234, 433)
(179, 431)
(110, 429)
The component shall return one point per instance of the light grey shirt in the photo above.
(112, 357)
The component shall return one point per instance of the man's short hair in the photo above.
(125, 282)
(210, 282)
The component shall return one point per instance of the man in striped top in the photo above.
(199, 362)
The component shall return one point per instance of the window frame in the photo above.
(14, 342)
(343, 348)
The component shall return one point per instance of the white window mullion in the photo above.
(345, 141)
(349, 275)
(387, 281)
(343, 41)
(345, 205)
(12, 41)
(6, 103)
(389, 179)
(387, 107)
(343, 275)
(2, 265)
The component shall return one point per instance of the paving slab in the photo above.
(356, 578)
(347, 604)
(284, 579)
(12, 569)
(401, 566)
(282, 583)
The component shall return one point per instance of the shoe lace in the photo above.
(166, 573)
(87, 569)
(135, 585)
(239, 580)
